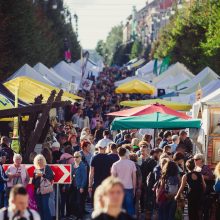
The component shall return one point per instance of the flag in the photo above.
(87, 84)
(155, 67)
(165, 64)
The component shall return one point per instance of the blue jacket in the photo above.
(3, 179)
(217, 186)
(80, 175)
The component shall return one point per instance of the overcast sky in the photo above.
(96, 17)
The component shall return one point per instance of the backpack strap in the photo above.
(5, 215)
(31, 214)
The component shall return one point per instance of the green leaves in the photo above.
(192, 37)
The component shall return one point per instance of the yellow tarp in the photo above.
(174, 105)
(29, 89)
(136, 86)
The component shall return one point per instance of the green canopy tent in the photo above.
(154, 121)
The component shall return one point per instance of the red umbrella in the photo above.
(149, 109)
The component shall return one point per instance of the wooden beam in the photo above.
(28, 110)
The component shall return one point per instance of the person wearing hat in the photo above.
(100, 167)
(56, 153)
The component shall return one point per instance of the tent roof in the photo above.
(174, 105)
(173, 76)
(206, 90)
(155, 120)
(30, 72)
(128, 79)
(29, 89)
(65, 71)
(58, 81)
(10, 96)
(203, 78)
(148, 67)
(136, 86)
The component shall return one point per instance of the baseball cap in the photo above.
(101, 144)
(56, 144)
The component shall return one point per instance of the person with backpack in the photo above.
(18, 206)
(66, 158)
(197, 187)
(147, 167)
(167, 190)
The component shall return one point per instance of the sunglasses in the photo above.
(197, 159)
(76, 157)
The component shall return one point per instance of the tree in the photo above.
(108, 47)
(28, 34)
(192, 37)
(136, 49)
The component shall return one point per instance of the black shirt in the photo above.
(113, 157)
(122, 216)
(56, 156)
(102, 166)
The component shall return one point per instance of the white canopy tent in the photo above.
(65, 71)
(203, 78)
(191, 98)
(90, 67)
(148, 68)
(172, 77)
(28, 71)
(58, 81)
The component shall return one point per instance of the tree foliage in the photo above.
(192, 37)
(136, 49)
(31, 33)
(113, 41)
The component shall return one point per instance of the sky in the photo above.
(97, 17)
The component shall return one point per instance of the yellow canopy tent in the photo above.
(6, 104)
(29, 89)
(136, 86)
(174, 105)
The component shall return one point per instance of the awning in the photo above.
(29, 89)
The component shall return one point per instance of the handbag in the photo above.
(46, 186)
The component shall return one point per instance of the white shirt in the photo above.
(26, 215)
(124, 169)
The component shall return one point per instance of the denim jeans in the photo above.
(128, 203)
(43, 206)
(167, 210)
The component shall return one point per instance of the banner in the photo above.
(155, 67)
(87, 84)
(165, 64)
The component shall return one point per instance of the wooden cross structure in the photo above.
(38, 125)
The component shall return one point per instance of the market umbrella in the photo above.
(155, 120)
(136, 86)
(174, 105)
(149, 109)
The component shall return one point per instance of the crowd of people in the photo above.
(125, 175)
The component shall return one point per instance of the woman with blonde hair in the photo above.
(42, 181)
(112, 196)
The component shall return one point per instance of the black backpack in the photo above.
(5, 214)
